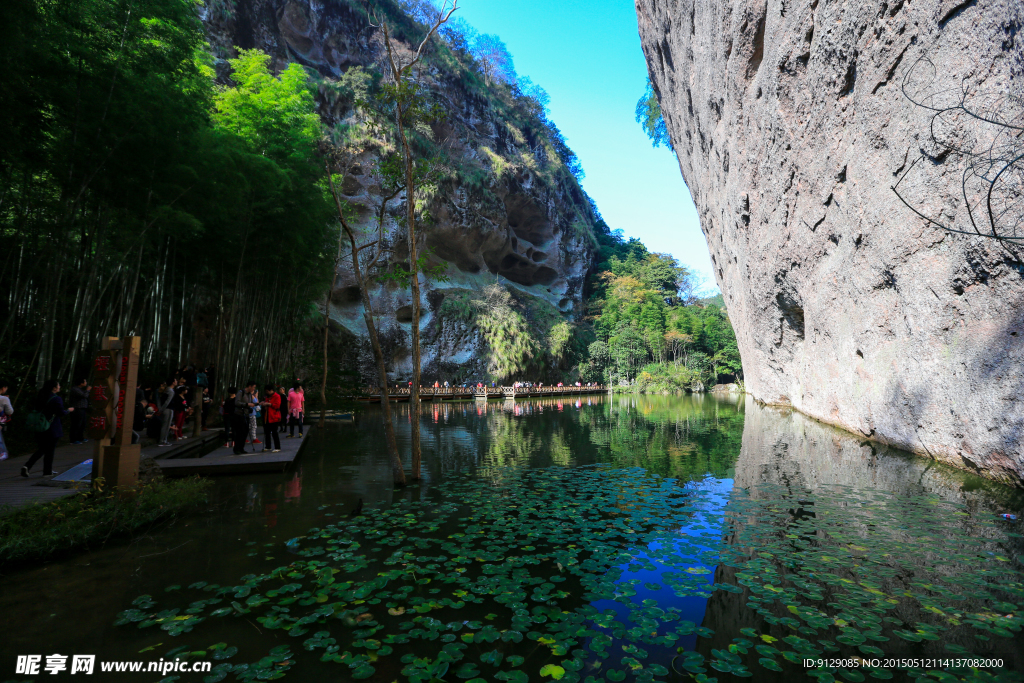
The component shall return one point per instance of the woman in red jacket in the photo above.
(272, 420)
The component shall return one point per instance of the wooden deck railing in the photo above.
(495, 392)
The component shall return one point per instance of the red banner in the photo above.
(122, 380)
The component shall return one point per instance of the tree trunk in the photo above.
(327, 330)
(410, 203)
(397, 470)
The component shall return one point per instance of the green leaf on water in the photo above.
(556, 672)
(364, 670)
(512, 676)
(225, 653)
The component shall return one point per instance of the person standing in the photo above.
(296, 410)
(139, 416)
(272, 418)
(189, 375)
(78, 398)
(51, 405)
(235, 419)
(251, 401)
(181, 410)
(6, 411)
(207, 402)
(166, 410)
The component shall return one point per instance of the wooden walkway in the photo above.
(17, 491)
(223, 461)
(402, 394)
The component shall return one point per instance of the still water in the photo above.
(599, 539)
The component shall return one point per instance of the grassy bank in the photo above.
(49, 530)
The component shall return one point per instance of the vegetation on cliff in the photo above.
(648, 115)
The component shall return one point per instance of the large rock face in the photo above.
(510, 211)
(791, 124)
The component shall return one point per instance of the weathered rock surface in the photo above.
(791, 125)
(512, 213)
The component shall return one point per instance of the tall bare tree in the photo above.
(409, 109)
(361, 273)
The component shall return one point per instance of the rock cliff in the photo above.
(792, 120)
(509, 211)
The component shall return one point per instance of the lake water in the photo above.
(600, 539)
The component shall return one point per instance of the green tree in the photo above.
(130, 199)
(648, 115)
(275, 115)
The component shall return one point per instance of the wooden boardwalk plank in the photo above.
(223, 461)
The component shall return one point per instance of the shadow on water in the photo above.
(583, 534)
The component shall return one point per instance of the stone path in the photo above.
(16, 491)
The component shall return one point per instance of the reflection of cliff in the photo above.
(785, 446)
(812, 461)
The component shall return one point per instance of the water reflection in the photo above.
(928, 529)
(714, 447)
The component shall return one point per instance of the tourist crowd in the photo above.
(162, 412)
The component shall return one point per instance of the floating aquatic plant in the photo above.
(497, 575)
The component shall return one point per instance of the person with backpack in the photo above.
(44, 422)
(272, 403)
(6, 411)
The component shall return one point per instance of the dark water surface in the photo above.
(599, 539)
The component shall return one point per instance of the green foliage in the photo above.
(457, 305)
(558, 342)
(46, 530)
(511, 346)
(646, 311)
(660, 377)
(648, 115)
(138, 195)
(275, 116)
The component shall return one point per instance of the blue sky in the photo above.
(587, 55)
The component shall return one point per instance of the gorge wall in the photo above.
(509, 210)
(791, 124)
